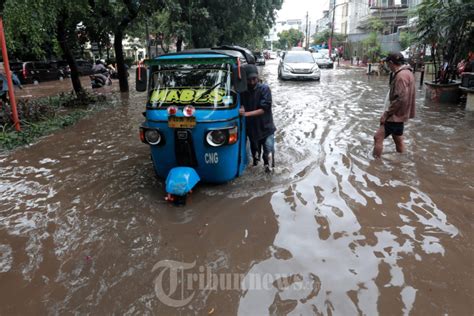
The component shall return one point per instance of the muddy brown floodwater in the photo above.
(84, 228)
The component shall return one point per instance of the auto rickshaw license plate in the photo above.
(181, 122)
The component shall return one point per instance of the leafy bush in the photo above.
(407, 39)
(34, 110)
(374, 49)
(42, 116)
(129, 61)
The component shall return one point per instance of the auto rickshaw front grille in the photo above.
(184, 148)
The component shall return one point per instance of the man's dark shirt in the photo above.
(261, 126)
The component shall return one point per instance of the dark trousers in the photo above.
(265, 146)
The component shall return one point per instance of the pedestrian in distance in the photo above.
(4, 83)
(401, 104)
(257, 109)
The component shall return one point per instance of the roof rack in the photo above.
(233, 51)
(244, 51)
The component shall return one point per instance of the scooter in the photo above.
(100, 79)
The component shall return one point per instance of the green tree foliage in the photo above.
(116, 17)
(289, 38)
(323, 37)
(407, 39)
(34, 27)
(372, 43)
(448, 27)
(230, 22)
(376, 24)
(213, 22)
(28, 27)
(373, 47)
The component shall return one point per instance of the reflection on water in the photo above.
(347, 220)
(83, 220)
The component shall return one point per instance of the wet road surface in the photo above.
(54, 87)
(84, 227)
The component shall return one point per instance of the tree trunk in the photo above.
(165, 50)
(99, 46)
(196, 39)
(122, 71)
(179, 44)
(62, 39)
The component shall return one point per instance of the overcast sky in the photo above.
(296, 9)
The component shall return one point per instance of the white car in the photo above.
(273, 55)
(325, 51)
(298, 65)
(323, 61)
(406, 53)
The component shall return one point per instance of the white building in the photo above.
(393, 12)
(134, 48)
(323, 23)
(284, 25)
(358, 10)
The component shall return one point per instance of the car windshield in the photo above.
(299, 58)
(16, 66)
(199, 85)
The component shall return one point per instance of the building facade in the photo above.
(284, 25)
(394, 14)
(323, 23)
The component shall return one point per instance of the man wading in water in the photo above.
(257, 109)
(402, 104)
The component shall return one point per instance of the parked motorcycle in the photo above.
(101, 76)
(100, 80)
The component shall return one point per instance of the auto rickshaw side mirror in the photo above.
(239, 78)
(141, 78)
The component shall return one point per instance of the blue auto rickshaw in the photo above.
(192, 120)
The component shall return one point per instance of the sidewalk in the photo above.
(347, 64)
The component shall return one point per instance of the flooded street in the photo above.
(85, 229)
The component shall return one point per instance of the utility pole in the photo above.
(306, 38)
(148, 50)
(8, 73)
(309, 35)
(332, 29)
(332, 25)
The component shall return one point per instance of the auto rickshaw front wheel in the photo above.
(178, 200)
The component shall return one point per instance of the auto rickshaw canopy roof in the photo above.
(222, 54)
(193, 59)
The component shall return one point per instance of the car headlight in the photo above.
(315, 68)
(220, 137)
(287, 68)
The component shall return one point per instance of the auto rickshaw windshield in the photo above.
(199, 85)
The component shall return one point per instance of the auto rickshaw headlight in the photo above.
(216, 138)
(152, 136)
(189, 110)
